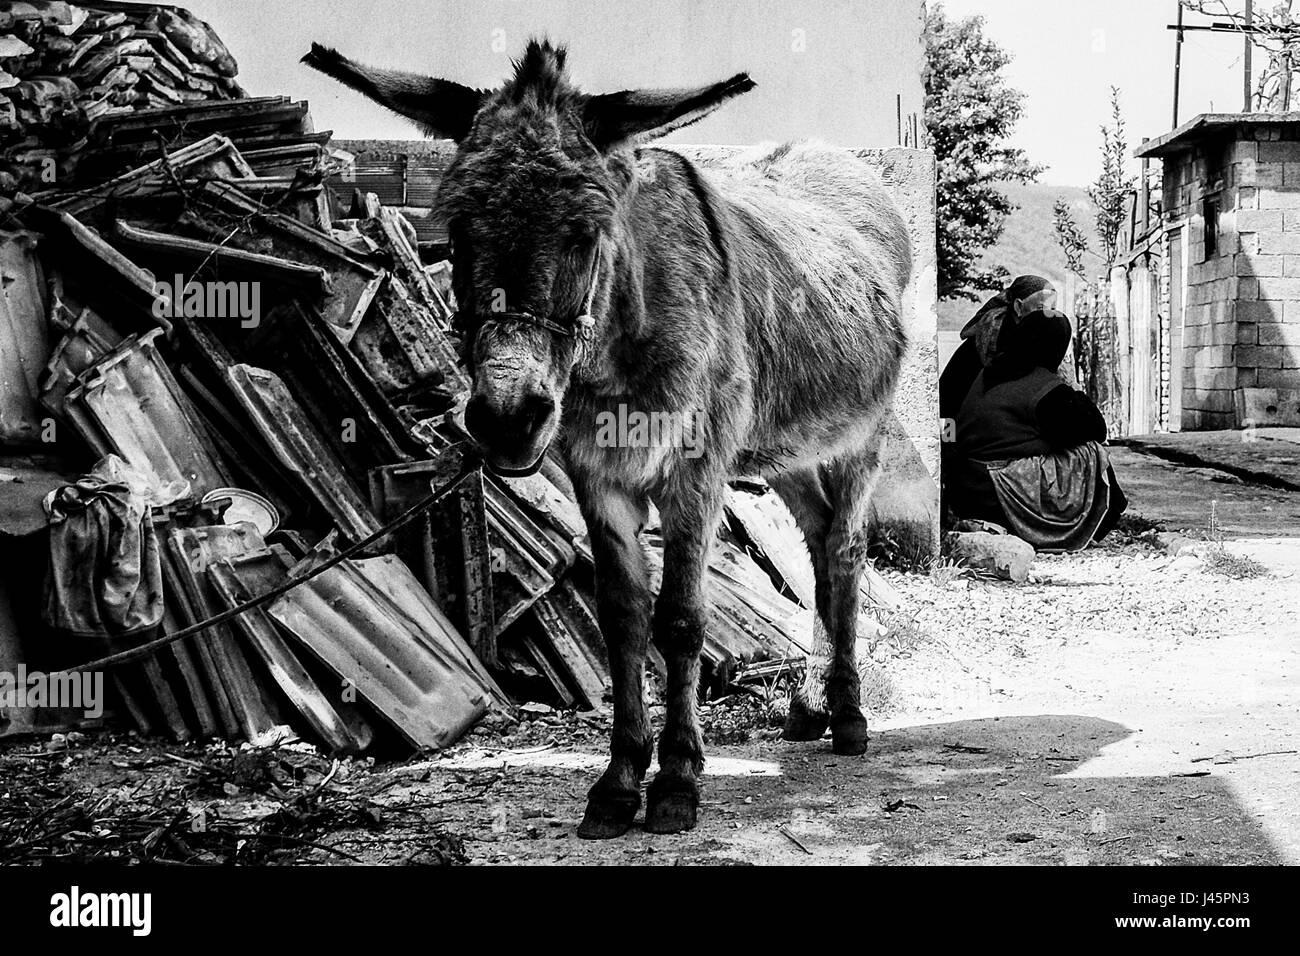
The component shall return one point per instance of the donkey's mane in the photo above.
(541, 77)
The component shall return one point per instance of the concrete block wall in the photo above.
(1242, 319)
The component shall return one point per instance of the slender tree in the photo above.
(970, 112)
(1109, 193)
(1070, 237)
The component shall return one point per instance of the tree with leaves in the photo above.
(1110, 192)
(1070, 237)
(970, 112)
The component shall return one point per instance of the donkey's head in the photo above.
(531, 200)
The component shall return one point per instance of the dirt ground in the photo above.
(1131, 704)
(1117, 710)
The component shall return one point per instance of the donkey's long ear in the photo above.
(442, 108)
(637, 116)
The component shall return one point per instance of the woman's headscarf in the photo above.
(1039, 341)
(986, 325)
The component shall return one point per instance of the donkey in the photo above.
(759, 296)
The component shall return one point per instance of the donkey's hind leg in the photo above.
(830, 506)
(850, 479)
(805, 494)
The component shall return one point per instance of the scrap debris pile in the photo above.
(224, 339)
(64, 66)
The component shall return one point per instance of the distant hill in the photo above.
(1028, 244)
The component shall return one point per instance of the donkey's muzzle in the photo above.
(512, 438)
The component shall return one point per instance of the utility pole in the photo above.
(1144, 195)
(1178, 60)
(1246, 34)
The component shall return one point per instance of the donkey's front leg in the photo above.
(689, 520)
(614, 520)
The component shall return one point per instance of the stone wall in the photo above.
(1241, 335)
(906, 503)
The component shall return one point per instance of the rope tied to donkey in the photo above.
(582, 326)
(468, 467)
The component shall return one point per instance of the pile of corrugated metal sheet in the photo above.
(276, 351)
(64, 65)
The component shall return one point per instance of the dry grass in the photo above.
(944, 570)
(879, 695)
(1219, 560)
(740, 717)
(902, 633)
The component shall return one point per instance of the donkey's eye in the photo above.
(457, 240)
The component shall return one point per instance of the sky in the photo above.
(829, 69)
(1068, 53)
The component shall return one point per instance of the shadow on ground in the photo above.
(998, 790)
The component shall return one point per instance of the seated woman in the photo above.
(982, 338)
(1028, 449)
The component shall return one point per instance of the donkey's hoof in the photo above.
(671, 806)
(802, 723)
(608, 815)
(849, 735)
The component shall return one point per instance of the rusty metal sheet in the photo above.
(214, 156)
(535, 652)
(148, 690)
(240, 221)
(295, 442)
(468, 512)
(129, 403)
(78, 254)
(241, 577)
(86, 339)
(24, 339)
(390, 229)
(187, 666)
(449, 546)
(776, 616)
(394, 489)
(179, 612)
(519, 576)
(395, 578)
(570, 632)
(355, 628)
(550, 506)
(403, 349)
(244, 453)
(354, 417)
(142, 126)
(193, 551)
(548, 548)
(233, 263)
(305, 203)
(765, 524)
(728, 643)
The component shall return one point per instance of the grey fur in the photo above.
(761, 294)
